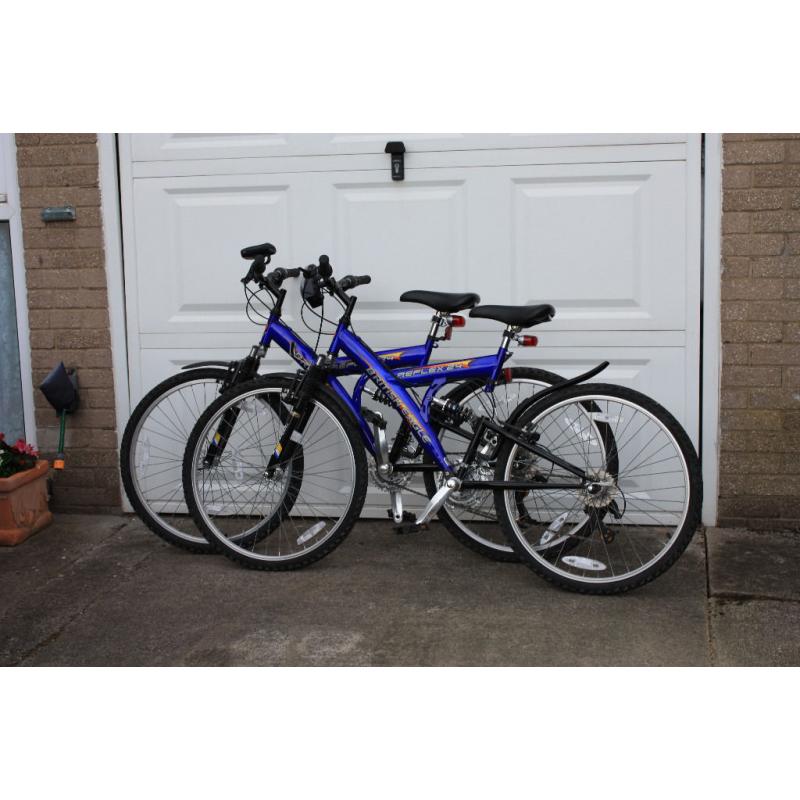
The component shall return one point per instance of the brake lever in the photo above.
(256, 271)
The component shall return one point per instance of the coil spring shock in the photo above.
(453, 412)
(379, 396)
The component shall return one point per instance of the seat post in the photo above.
(502, 355)
(509, 334)
(436, 322)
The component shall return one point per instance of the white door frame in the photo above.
(710, 298)
(711, 337)
(11, 212)
(115, 279)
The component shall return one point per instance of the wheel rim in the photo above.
(475, 515)
(650, 492)
(156, 454)
(288, 513)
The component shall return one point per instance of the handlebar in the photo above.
(318, 277)
(321, 277)
(351, 281)
(279, 275)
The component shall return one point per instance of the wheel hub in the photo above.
(600, 489)
(472, 498)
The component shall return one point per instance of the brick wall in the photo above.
(760, 416)
(68, 308)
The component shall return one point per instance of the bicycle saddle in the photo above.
(256, 250)
(518, 316)
(445, 302)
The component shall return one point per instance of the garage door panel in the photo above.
(414, 237)
(189, 267)
(172, 146)
(602, 244)
(199, 146)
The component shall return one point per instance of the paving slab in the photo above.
(379, 599)
(753, 564)
(755, 633)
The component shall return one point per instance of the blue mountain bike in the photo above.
(596, 487)
(158, 429)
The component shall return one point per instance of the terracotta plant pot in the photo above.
(23, 504)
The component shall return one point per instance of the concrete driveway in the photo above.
(102, 590)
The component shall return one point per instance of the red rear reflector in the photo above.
(528, 341)
(457, 321)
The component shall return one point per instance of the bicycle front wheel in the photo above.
(634, 511)
(265, 516)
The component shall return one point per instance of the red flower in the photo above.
(24, 448)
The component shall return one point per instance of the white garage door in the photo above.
(604, 227)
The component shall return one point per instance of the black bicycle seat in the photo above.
(518, 316)
(446, 302)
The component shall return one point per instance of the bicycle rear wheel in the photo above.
(274, 517)
(638, 508)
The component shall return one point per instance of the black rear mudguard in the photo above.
(545, 393)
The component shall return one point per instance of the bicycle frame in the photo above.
(409, 365)
(395, 382)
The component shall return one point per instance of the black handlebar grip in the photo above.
(325, 269)
(279, 275)
(351, 281)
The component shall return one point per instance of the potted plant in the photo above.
(23, 492)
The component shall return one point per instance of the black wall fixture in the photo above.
(397, 150)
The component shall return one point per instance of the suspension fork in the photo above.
(238, 372)
(299, 415)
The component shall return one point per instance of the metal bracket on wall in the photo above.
(58, 214)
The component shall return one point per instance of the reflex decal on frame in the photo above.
(434, 368)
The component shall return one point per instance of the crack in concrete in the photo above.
(741, 598)
(712, 647)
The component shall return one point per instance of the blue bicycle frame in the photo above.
(394, 384)
(409, 368)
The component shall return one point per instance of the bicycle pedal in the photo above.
(409, 524)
